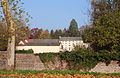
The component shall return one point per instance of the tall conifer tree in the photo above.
(73, 29)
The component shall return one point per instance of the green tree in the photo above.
(73, 29)
(10, 10)
(58, 33)
(52, 34)
(105, 33)
(65, 32)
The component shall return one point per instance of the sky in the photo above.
(57, 14)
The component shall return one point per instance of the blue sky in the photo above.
(57, 14)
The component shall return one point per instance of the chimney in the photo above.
(26, 41)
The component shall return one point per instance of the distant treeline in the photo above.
(72, 31)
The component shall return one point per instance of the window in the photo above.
(69, 48)
(81, 41)
(61, 46)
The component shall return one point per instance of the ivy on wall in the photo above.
(47, 57)
(82, 58)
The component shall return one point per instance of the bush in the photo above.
(84, 59)
(24, 51)
(47, 57)
(107, 57)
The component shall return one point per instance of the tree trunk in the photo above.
(11, 32)
(11, 53)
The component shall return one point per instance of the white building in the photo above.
(68, 43)
(40, 45)
(51, 45)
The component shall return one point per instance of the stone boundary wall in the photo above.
(32, 62)
(113, 67)
(3, 59)
(28, 61)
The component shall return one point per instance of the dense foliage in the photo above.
(24, 51)
(83, 59)
(73, 29)
(104, 33)
(47, 57)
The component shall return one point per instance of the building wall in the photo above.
(69, 45)
(40, 49)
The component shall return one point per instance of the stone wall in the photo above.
(113, 67)
(32, 62)
(57, 64)
(28, 62)
(3, 59)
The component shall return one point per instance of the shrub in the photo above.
(107, 57)
(47, 57)
(83, 58)
(24, 51)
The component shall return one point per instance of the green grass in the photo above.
(6, 72)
